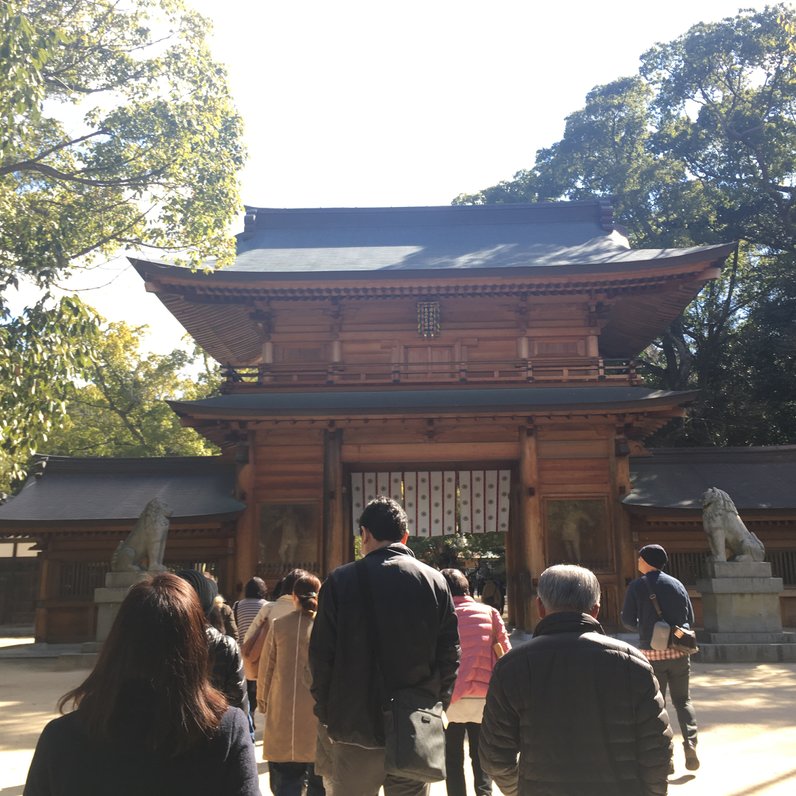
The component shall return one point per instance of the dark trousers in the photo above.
(454, 760)
(251, 690)
(675, 675)
(288, 779)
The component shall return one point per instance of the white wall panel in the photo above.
(432, 499)
(449, 503)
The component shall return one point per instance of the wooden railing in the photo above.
(277, 569)
(689, 567)
(580, 369)
(783, 565)
(78, 579)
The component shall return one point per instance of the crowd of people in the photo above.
(170, 707)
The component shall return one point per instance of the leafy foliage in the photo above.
(151, 154)
(122, 409)
(116, 130)
(699, 148)
(41, 352)
(452, 551)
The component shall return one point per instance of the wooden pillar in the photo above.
(247, 541)
(43, 594)
(514, 547)
(625, 545)
(528, 552)
(227, 571)
(334, 526)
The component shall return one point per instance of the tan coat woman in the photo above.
(291, 728)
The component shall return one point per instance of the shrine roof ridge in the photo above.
(597, 211)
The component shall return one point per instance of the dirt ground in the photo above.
(746, 713)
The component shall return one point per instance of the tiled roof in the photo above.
(92, 489)
(676, 478)
(458, 238)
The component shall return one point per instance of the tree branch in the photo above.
(139, 180)
(9, 168)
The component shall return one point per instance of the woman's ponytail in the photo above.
(305, 590)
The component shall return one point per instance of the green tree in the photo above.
(116, 130)
(41, 351)
(699, 147)
(122, 409)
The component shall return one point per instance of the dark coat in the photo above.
(582, 710)
(68, 763)
(226, 668)
(417, 635)
(638, 612)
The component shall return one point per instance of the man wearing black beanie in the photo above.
(671, 666)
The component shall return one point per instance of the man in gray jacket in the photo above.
(356, 666)
(574, 712)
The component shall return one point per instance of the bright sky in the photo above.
(404, 102)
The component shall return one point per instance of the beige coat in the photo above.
(267, 614)
(290, 725)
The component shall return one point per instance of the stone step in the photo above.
(743, 586)
(747, 638)
(746, 653)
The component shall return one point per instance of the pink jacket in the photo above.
(480, 627)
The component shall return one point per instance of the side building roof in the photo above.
(676, 478)
(67, 490)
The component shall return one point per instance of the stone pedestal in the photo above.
(109, 598)
(741, 615)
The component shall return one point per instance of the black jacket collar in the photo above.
(567, 622)
(394, 549)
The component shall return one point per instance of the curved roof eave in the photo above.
(632, 260)
(528, 400)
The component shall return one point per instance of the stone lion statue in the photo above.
(146, 542)
(726, 531)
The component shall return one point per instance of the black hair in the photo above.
(256, 589)
(289, 581)
(457, 582)
(385, 519)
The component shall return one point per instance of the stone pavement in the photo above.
(746, 713)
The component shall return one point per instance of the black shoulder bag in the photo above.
(414, 725)
(666, 636)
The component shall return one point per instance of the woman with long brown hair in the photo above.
(147, 720)
(291, 728)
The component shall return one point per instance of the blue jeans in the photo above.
(675, 674)
(287, 779)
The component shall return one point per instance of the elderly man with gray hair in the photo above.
(573, 711)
